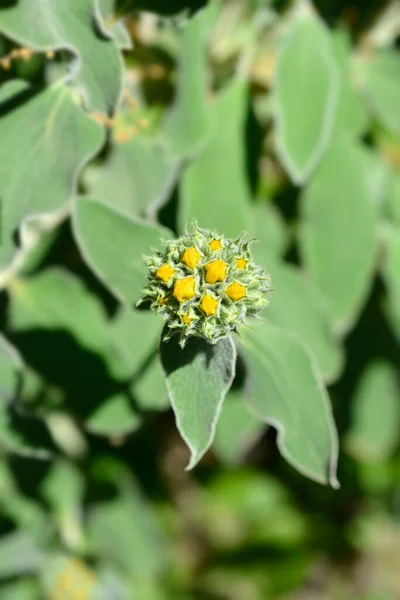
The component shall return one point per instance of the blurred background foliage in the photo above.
(279, 118)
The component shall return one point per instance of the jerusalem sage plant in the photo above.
(205, 284)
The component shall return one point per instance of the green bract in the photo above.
(205, 285)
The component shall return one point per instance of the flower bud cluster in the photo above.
(205, 285)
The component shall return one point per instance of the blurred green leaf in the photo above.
(44, 303)
(380, 74)
(10, 366)
(136, 177)
(124, 530)
(378, 176)
(18, 432)
(71, 25)
(198, 378)
(306, 94)
(63, 489)
(19, 554)
(340, 262)
(376, 414)
(244, 507)
(39, 234)
(55, 299)
(215, 191)
(20, 590)
(27, 514)
(129, 326)
(270, 230)
(296, 306)
(352, 116)
(51, 141)
(113, 25)
(114, 417)
(24, 435)
(285, 390)
(113, 244)
(148, 388)
(187, 123)
(237, 429)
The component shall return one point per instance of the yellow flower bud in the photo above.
(191, 257)
(208, 305)
(187, 319)
(215, 245)
(236, 291)
(164, 273)
(215, 271)
(241, 263)
(184, 289)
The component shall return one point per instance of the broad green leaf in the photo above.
(10, 367)
(351, 115)
(214, 188)
(250, 508)
(19, 554)
(44, 303)
(376, 414)
(20, 590)
(296, 306)
(111, 584)
(124, 530)
(63, 489)
(112, 24)
(23, 435)
(113, 244)
(285, 390)
(38, 236)
(148, 389)
(378, 174)
(339, 259)
(390, 271)
(306, 93)
(114, 417)
(198, 378)
(27, 514)
(136, 177)
(237, 429)
(135, 334)
(18, 433)
(49, 140)
(269, 228)
(70, 25)
(380, 74)
(148, 386)
(57, 300)
(187, 124)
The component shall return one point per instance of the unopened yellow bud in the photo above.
(184, 289)
(191, 257)
(215, 271)
(215, 245)
(164, 273)
(208, 305)
(241, 263)
(236, 291)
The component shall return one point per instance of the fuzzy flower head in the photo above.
(205, 285)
